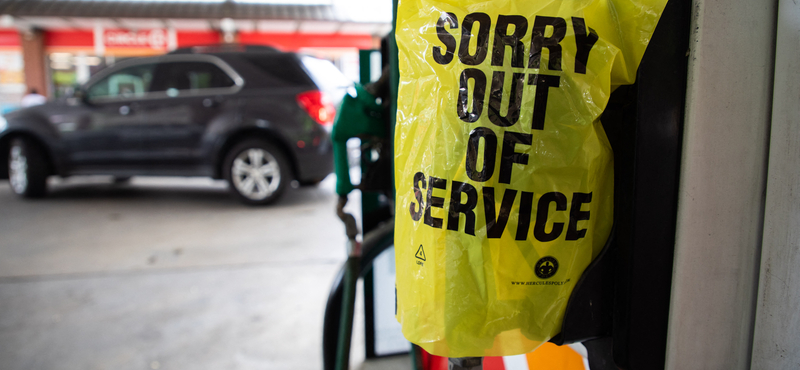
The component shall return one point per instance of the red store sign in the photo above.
(144, 42)
(154, 39)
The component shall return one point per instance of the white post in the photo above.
(99, 40)
(722, 184)
(81, 68)
(775, 344)
(172, 38)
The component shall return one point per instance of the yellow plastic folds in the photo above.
(504, 175)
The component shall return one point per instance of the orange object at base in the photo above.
(549, 356)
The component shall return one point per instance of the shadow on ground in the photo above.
(201, 191)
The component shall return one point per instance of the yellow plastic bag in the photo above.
(504, 175)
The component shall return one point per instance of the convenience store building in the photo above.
(53, 45)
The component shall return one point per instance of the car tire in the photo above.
(257, 172)
(27, 168)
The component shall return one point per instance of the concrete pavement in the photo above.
(167, 274)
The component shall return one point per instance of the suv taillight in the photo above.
(318, 106)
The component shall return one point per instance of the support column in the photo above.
(35, 60)
(723, 183)
(775, 344)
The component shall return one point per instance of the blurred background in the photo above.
(172, 272)
(51, 45)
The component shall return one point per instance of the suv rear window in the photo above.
(282, 67)
(325, 74)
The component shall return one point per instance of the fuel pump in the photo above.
(619, 305)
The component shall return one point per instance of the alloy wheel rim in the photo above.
(256, 173)
(18, 170)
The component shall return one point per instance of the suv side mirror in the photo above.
(78, 96)
(79, 93)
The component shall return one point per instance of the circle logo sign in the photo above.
(546, 267)
(156, 38)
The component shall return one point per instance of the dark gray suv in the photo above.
(254, 117)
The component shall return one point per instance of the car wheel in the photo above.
(27, 168)
(257, 172)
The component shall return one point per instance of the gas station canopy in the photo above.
(317, 16)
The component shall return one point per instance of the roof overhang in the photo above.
(239, 15)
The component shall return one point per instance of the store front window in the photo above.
(68, 70)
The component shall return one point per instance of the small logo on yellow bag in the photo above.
(420, 253)
(546, 267)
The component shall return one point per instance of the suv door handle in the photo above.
(212, 102)
(129, 108)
